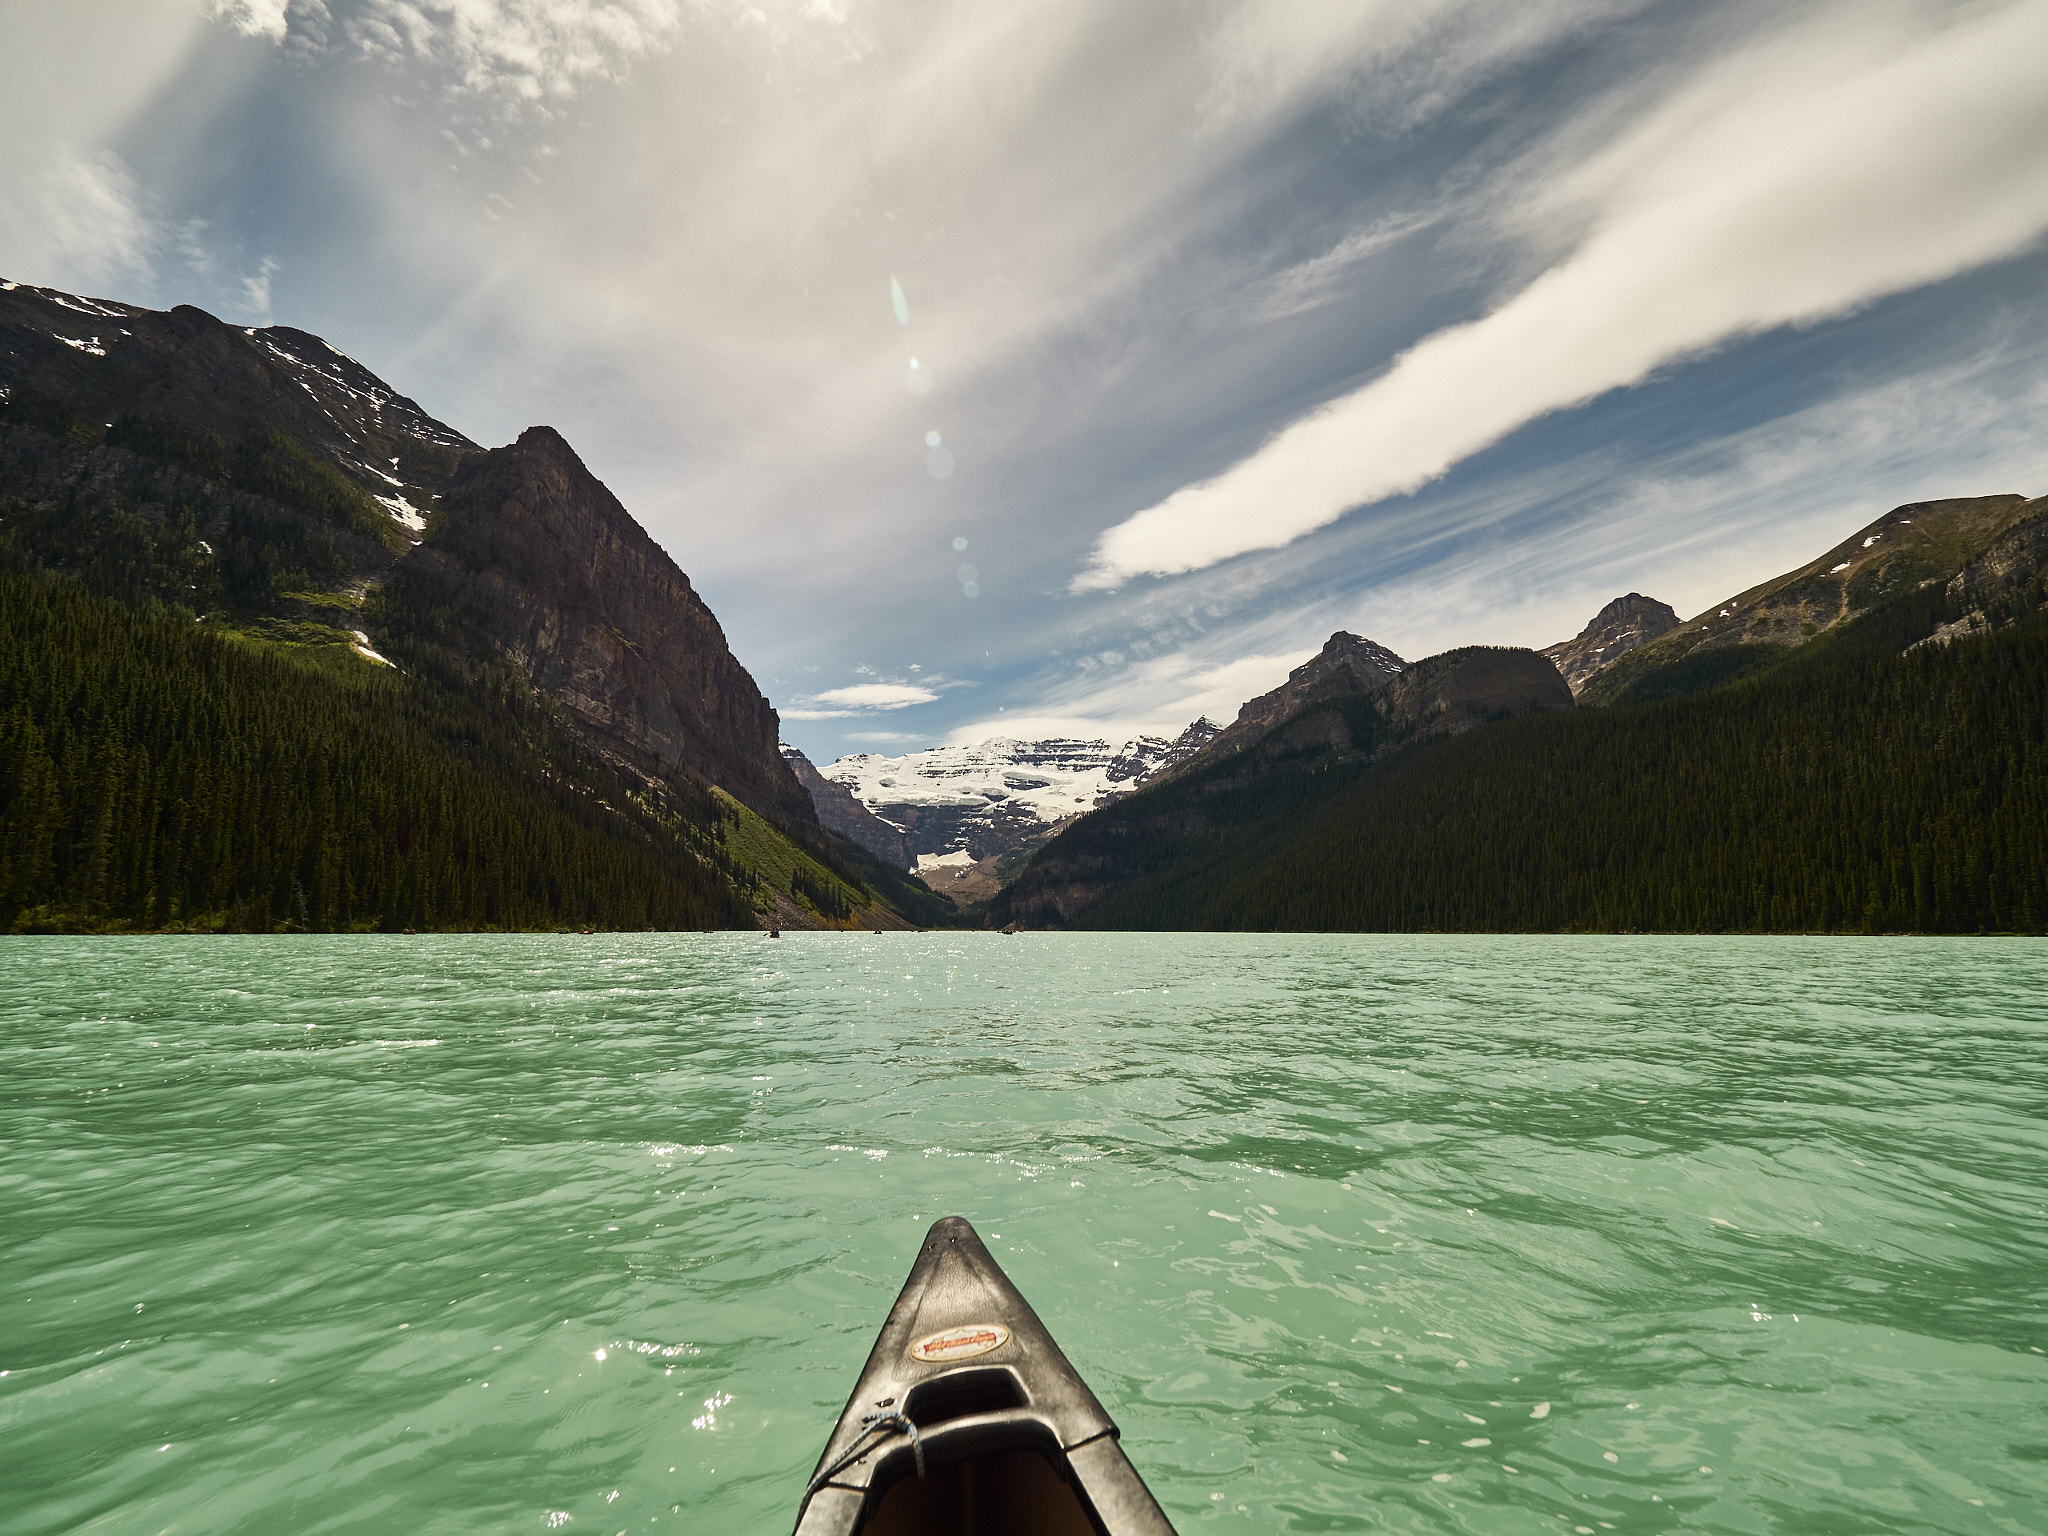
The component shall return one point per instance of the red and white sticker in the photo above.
(962, 1343)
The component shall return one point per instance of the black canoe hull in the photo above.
(1013, 1443)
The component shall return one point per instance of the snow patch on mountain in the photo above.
(995, 795)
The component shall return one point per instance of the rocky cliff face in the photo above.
(2017, 557)
(1348, 666)
(595, 614)
(1617, 629)
(839, 810)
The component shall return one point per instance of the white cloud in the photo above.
(859, 699)
(514, 51)
(1786, 185)
(878, 695)
(253, 18)
(1157, 697)
(1307, 284)
(256, 293)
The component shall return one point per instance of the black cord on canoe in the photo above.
(871, 1424)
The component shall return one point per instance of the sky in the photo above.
(1076, 367)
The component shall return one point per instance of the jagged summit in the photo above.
(1347, 664)
(1617, 629)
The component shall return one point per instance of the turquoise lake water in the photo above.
(1434, 1234)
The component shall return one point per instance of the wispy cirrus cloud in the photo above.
(1795, 181)
(77, 215)
(1136, 241)
(1419, 56)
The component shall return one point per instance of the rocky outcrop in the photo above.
(594, 613)
(1623, 625)
(1140, 769)
(2018, 557)
(1348, 666)
(839, 810)
(2014, 558)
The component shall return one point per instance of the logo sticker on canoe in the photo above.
(961, 1343)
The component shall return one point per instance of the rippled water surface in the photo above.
(1433, 1234)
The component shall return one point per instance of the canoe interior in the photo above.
(1012, 1493)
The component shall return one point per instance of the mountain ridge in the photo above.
(283, 502)
(1348, 718)
(1909, 546)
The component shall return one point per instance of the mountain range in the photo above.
(1860, 744)
(250, 498)
(278, 650)
(962, 816)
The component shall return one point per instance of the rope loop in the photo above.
(872, 1424)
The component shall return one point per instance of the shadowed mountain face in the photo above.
(595, 614)
(1617, 629)
(1256, 782)
(1347, 665)
(183, 387)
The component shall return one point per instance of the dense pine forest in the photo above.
(1838, 787)
(153, 774)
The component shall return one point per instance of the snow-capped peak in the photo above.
(983, 797)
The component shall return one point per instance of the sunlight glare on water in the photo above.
(1428, 1234)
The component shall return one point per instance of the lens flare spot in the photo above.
(932, 439)
(960, 543)
(972, 589)
(900, 304)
